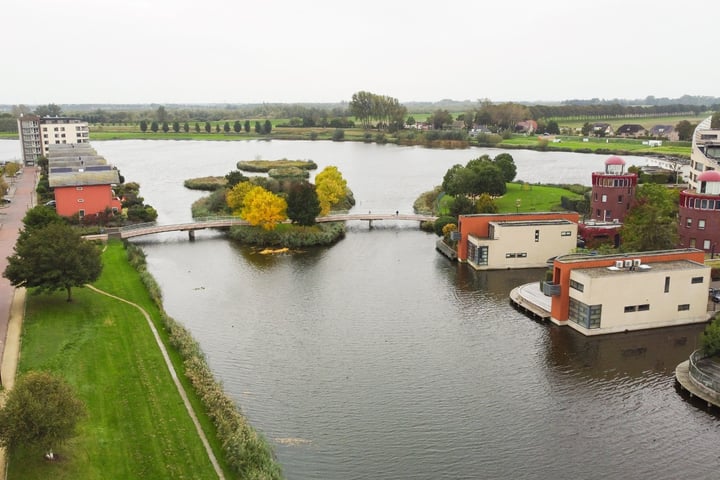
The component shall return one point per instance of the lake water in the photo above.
(377, 358)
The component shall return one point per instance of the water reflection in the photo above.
(632, 354)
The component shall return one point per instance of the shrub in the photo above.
(440, 224)
(292, 236)
(710, 340)
(338, 135)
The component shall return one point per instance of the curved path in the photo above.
(174, 376)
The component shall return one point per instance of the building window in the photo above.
(630, 308)
(596, 196)
(706, 245)
(701, 224)
(477, 255)
(510, 255)
(81, 213)
(667, 284)
(604, 198)
(692, 243)
(597, 213)
(608, 214)
(697, 280)
(566, 233)
(688, 223)
(577, 286)
(584, 315)
(620, 198)
(81, 200)
(78, 188)
(683, 307)
(644, 307)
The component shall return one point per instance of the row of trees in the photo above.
(260, 128)
(381, 109)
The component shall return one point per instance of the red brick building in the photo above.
(699, 212)
(613, 192)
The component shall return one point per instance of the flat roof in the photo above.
(526, 223)
(669, 266)
(584, 257)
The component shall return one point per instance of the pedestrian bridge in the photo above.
(142, 229)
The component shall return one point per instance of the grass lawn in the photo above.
(137, 425)
(533, 198)
(627, 146)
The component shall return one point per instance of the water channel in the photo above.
(378, 358)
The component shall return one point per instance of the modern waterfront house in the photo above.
(699, 213)
(598, 294)
(515, 240)
(82, 181)
(38, 133)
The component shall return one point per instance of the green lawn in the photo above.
(626, 146)
(533, 198)
(137, 425)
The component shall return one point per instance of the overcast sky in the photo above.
(231, 51)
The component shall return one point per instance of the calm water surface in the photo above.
(379, 359)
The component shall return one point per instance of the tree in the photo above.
(462, 205)
(247, 126)
(40, 217)
(685, 130)
(237, 127)
(165, 127)
(267, 127)
(197, 127)
(176, 127)
(258, 127)
(303, 205)
(217, 128)
(715, 121)
(161, 114)
(552, 128)
(235, 197)
(485, 204)
(651, 223)
(226, 127)
(331, 188)
(507, 165)
(186, 127)
(208, 127)
(154, 126)
(235, 177)
(440, 118)
(49, 110)
(143, 126)
(585, 130)
(41, 412)
(263, 208)
(51, 258)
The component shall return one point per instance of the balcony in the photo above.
(551, 289)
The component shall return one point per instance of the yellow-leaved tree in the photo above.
(331, 188)
(263, 208)
(235, 197)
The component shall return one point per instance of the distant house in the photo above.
(479, 129)
(600, 129)
(82, 181)
(632, 130)
(664, 131)
(526, 126)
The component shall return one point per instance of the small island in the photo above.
(281, 208)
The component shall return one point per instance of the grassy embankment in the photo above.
(533, 198)
(137, 425)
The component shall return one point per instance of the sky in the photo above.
(322, 51)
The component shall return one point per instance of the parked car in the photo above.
(6, 200)
(51, 203)
(714, 295)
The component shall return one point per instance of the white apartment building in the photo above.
(38, 133)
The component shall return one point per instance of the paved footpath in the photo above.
(22, 196)
(12, 300)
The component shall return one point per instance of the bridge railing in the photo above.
(136, 226)
(709, 381)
